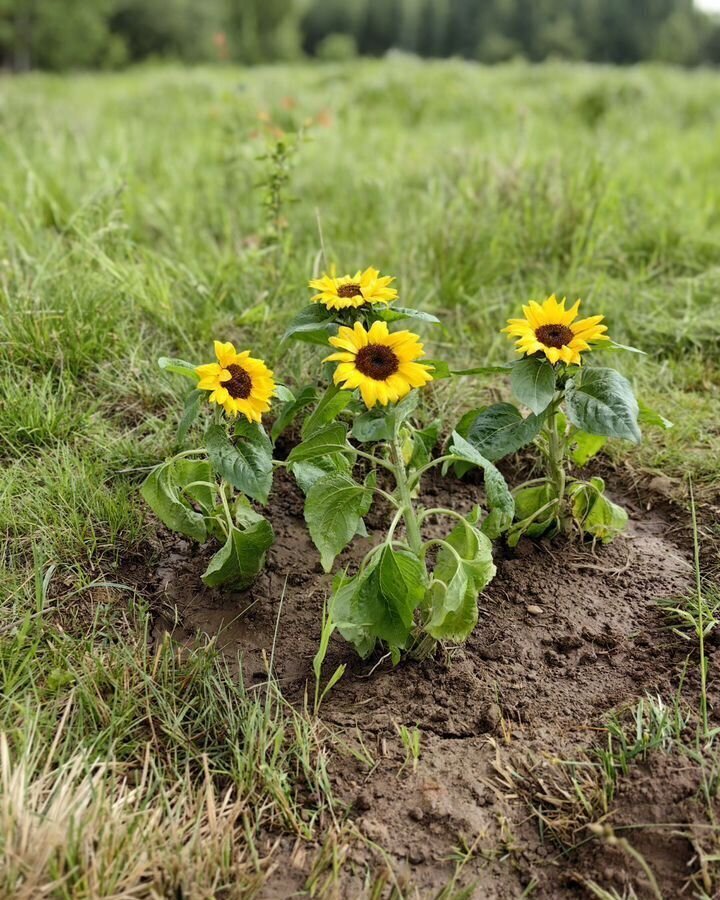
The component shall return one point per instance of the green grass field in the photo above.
(133, 227)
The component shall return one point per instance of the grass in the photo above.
(133, 227)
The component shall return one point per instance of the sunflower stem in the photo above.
(556, 461)
(412, 525)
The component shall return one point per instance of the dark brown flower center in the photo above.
(349, 290)
(240, 384)
(554, 335)
(377, 361)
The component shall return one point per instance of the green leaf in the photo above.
(601, 401)
(533, 383)
(381, 424)
(333, 509)
(313, 324)
(649, 416)
(307, 473)
(484, 370)
(595, 513)
(290, 409)
(397, 313)
(178, 367)
(499, 498)
(585, 446)
(161, 490)
(242, 558)
(457, 583)
(613, 345)
(245, 464)
(332, 402)
(423, 442)
(196, 478)
(440, 369)
(500, 429)
(331, 439)
(381, 602)
(191, 408)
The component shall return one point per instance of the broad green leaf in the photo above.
(162, 492)
(242, 557)
(196, 477)
(289, 410)
(500, 429)
(380, 603)
(595, 513)
(381, 424)
(499, 499)
(531, 499)
(458, 582)
(191, 408)
(331, 439)
(332, 402)
(333, 509)
(585, 446)
(307, 473)
(397, 313)
(314, 324)
(178, 367)
(247, 463)
(440, 369)
(484, 370)
(649, 416)
(601, 401)
(424, 441)
(533, 383)
(283, 393)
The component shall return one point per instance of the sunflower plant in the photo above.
(575, 407)
(205, 493)
(361, 443)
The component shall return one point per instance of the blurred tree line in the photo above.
(62, 34)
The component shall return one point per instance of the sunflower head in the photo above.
(382, 365)
(239, 383)
(352, 291)
(551, 329)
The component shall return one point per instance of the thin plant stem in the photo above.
(700, 621)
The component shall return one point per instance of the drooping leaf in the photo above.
(191, 408)
(333, 509)
(242, 557)
(500, 429)
(585, 446)
(533, 383)
(423, 441)
(196, 478)
(178, 367)
(499, 499)
(458, 581)
(245, 463)
(313, 324)
(601, 401)
(380, 603)
(331, 439)
(595, 514)
(163, 494)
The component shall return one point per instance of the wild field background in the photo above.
(133, 226)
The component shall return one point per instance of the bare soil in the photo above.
(567, 635)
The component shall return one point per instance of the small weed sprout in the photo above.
(574, 409)
(410, 739)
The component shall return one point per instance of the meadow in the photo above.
(147, 213)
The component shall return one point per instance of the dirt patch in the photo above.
(566, 634)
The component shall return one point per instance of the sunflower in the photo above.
(381, 364)
(239, 383)
(353, 290)
(551, 329)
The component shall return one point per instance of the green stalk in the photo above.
(412, 526)
(700, 620)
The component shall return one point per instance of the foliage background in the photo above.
(63, 34)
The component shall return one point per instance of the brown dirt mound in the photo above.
(566, 634)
